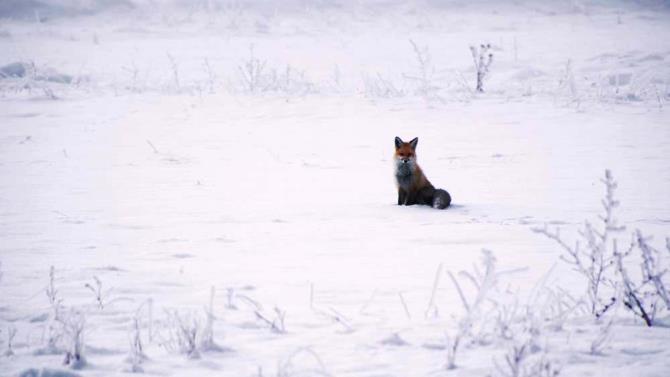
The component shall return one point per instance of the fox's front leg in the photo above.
(402, 197)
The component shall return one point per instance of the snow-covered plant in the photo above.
(74, 325)
(11, 333)
(290, 366)
(52, 336)
(432, 310)
(136, 355)
(644, 294)
(252, 72)
(184, 332)
(655, 268)
(175, 71)
(523, 357)
(256, 77)
(97, 291)
(377, 86)
(482, 59)
(514, 361)
(596, 260)
(230, 297)
(568, 84)
(207, 342)
(330, 313)
(602, 338)
(425, 77)
(54, 330)
(52, 294)
(558, 305)
(211, 76)
(483, 282)
(133, 71)
(275, 324)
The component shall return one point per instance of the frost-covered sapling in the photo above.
(482, 60)
(596, 260)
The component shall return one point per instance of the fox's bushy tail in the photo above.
(441, 199)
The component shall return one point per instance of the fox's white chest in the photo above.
(404, 174)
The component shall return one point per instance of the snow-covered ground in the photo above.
(163, 168)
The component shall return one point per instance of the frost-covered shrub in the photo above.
(645, 294)
(472, 324)
(593, 256)
(605, 267)
(377, 86)
(183, 331)
(424, 78)
(255, 76)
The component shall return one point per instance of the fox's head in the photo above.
(405, 152)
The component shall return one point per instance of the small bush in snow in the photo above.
(482, 59)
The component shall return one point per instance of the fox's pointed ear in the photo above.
(414, 142)
(398, 142)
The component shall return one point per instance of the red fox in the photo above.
(413, 186)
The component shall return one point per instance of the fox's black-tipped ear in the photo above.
(398, 142)
(414, 142)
